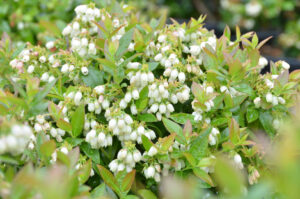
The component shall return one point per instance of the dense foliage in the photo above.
(124, 102)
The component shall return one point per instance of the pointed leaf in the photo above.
(77, 121)
(128, 181)
(173, 127)
(109, 179)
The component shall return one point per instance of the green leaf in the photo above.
(245, 88)
(3, 110)
(94, 77)
(167, 142)
(146, 194)
(266, 121)
(91, 153)
(162, 21)
(152, 65)
(128, 181)
(77, 121)
(228, 101)
(99, 191)
(66, 126)
(173, 127)
(54, 111)
(146, 143)
(142, 102)
(147, 117)
(197, 91)
(254, 40)
(124, 43)
(109, 179)
(199, 146)
(50, 27)
(252, 114)
(203, 176)
(74, 141)
(227, 33)
(182, 118)
(227, 177)
(190, 159)
(108, 66)
(238, 33)
(234, 131)
(42, 94)
(63, 158)
(84, 172)
(47, 148)
(9, 160)
(219, 121)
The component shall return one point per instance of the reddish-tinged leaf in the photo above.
(234, 131)
(128, 181)
(203, 176)
(295, 75)
(188, 129)
(263, 42)
(47, 148)
(167, 142)
(61, 123)
(84, 172)
(190, 158)
(109, 179)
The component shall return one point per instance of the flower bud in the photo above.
(112, 124)
(42, 59)
(154, 108)
(50, 44)
(150, 172)
(65, 68)
(181, 77)
(285, 65)
(269, 97)
(30, 69)
(84, 70)
(162, 38)
(135, 94)
(64, 150)
(209, 90)
(113, 165)
(170, 108)
(45, 77)
(133, 109)
(158, 57)
(162, 108)
(77, 98)
(127, 97)
(152, 151)
(123, 104)
(67, 30)
(223, 89)
(257, 101)
(137, 156)
(174, 74)
(195, 50)
(91, 107)
(122, 154)
(99, 89)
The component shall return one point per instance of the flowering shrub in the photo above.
(134, 102)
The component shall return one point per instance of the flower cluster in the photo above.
(122, 91)
(17, 140)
